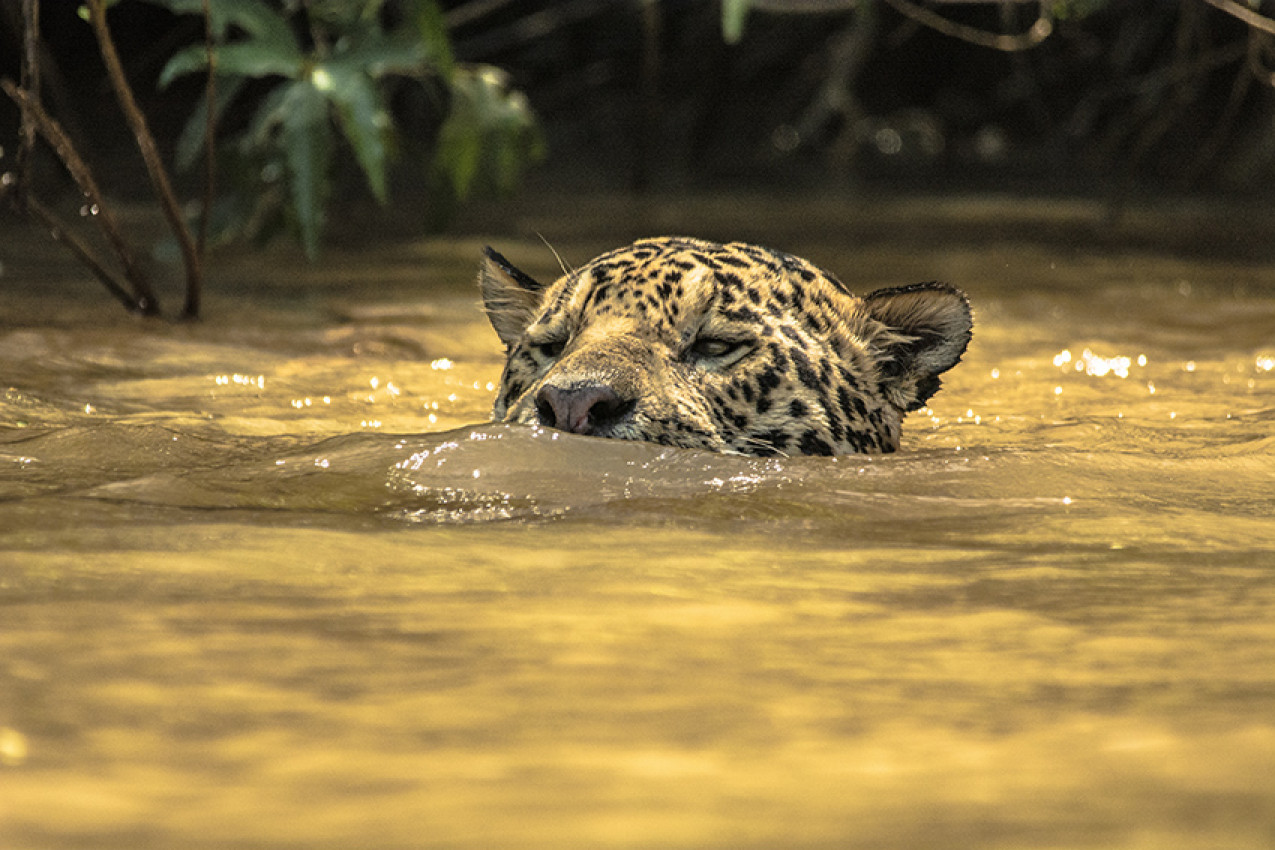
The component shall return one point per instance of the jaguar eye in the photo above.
(712, 348)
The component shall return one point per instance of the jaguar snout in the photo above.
(582, 408)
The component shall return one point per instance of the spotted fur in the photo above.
(733, 348)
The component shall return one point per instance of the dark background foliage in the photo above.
(1150, 93)
(1122, 98)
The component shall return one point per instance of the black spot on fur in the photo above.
(844, 402)
(735, 262)
(812, 444)
(825, 372)
(805, 373)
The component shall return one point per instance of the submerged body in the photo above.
(732, 348)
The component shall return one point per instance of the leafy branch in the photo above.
(133, 289)
(331, 66)
(321, 75)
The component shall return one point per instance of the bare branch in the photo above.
(193, 285)
(1038, 32)
(1248, 16)
(85, 254)
(29, 81)
(146, 144)
(39, 121)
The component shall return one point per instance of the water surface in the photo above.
(268, 581)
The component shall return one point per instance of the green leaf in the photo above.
(190, 144)
(375, 56)
(343, 16)
(268, 116)
(363, 118)
(489, 133)
(431, 30)
(242, 59)
(459, 149)
(733, 14)
(254, 17)
(306, 138)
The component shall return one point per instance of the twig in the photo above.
(81, 249)
(37, 120)
(1038, 32)
(1248, 16)
(30, 81)
(193, 293)
(146, 144)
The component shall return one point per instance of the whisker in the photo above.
(763, 444)
(561, 263)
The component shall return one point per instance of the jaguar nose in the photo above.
(588, 408)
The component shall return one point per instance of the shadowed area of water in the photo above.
(268, 581)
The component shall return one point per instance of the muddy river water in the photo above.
(267, 581)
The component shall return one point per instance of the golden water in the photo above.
(262, 584)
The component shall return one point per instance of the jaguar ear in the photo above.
(511, 297)
(927, 327)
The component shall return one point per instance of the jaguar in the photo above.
(726, 347)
